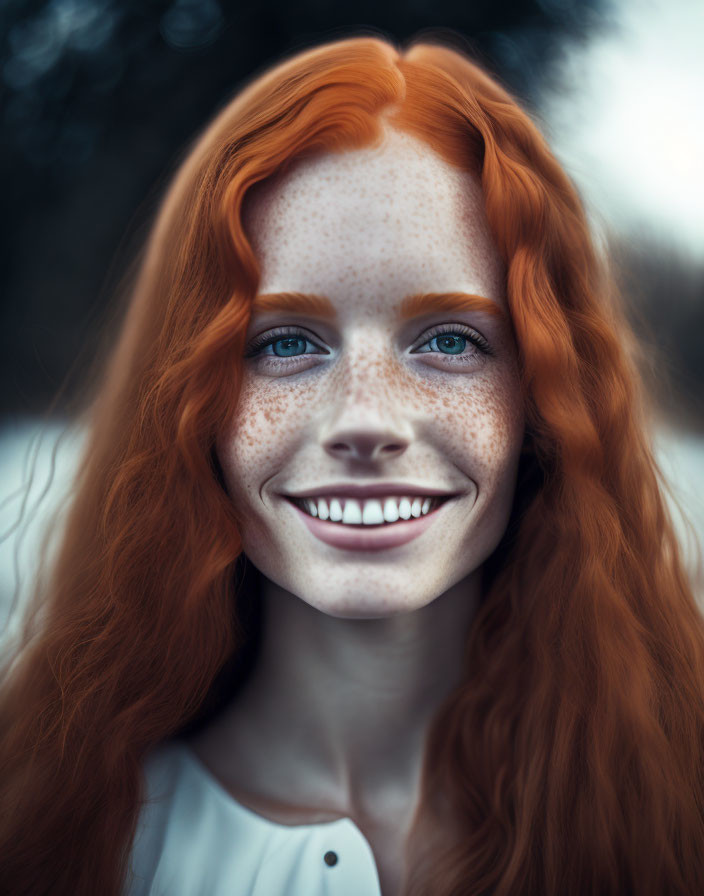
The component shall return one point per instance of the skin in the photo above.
(360, 648)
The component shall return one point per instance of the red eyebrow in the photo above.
(410, 307)
(301, 302)
(429, 302)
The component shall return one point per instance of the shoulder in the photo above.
(191, 837)
(162, 772)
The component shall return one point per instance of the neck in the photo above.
(343, 705)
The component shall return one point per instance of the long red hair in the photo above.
(570, 759)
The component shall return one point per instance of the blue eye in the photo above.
(289, 345)
(283, 345)
(450, 343)
(445, 341)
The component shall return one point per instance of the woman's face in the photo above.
(359, 405)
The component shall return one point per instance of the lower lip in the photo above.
(374, 538)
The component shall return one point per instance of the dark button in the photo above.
(330, 858)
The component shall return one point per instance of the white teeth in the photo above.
(372, 514)
(353, 512)
(390, 510)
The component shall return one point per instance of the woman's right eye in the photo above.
(282, 345)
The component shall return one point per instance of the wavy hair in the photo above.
(570, 758)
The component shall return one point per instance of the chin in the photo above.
(368, 607)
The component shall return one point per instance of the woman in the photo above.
(368, 546)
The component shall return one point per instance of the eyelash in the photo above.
(259, 343)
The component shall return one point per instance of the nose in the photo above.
(365, 444)
(366, 416)
(363, 425)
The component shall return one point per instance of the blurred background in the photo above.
(101, 99)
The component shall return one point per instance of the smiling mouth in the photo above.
(371, 513)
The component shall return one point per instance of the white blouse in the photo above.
(194, 839)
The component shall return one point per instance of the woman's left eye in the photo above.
(453, 341)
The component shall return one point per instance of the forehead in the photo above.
(373, 225)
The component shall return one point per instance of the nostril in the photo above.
(366, 446)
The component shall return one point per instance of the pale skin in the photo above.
(360, 648)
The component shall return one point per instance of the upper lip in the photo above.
(352, 490)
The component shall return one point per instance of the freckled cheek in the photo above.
(499, 429)
(481, 423)
(264, 431)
